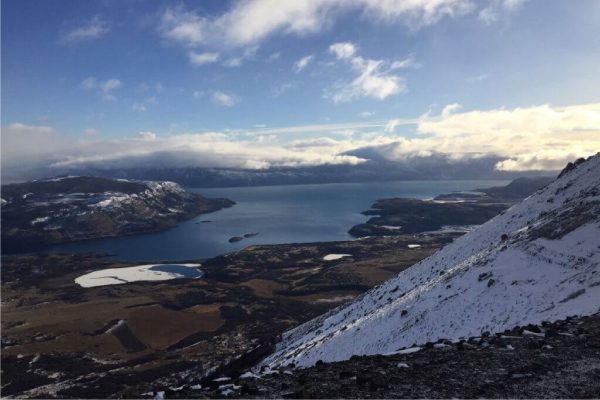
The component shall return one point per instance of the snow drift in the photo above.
(539, 260)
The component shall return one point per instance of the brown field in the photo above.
(159, 328)
(264, 287)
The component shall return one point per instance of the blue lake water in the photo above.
(183, 270)
(279, 214)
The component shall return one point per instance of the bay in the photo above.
(277, 214)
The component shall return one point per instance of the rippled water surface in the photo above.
(279, 214)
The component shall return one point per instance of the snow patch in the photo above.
(117, 276)
(39, 220)
(332, 257)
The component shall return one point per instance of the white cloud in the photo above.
(366, 114)
(496, 9)
(25, 145)
(449, 109)
(404, 64)
(146, 135)
(203, 58)
(537, 137)
(139, 107)
(390, 127)
(274, 57)
(343, 50)
(110, 85)
(224, 99)
(182, 26)
(303, 63)
(281, 89)
(250, 22)
(106, 88)
(233, 62)
(373, 79)
(478, 78)
(93, 29)
(89, 83)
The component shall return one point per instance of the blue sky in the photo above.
(98, 71)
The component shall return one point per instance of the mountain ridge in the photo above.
(73, 208)
(488, 280)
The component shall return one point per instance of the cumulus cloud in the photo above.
(537, 137)
(93, 29)
(203, 58)
(182, 26)
(303, 63)
(373, 80)
(533, 138)
(343, 50)
(250, 22)
(195, 149)
(106, 88)
(224, 99)
(541, 137)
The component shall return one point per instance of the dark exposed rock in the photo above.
(515, 366)
(571, 166)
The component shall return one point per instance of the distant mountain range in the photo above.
(68, 209)
(435, 167)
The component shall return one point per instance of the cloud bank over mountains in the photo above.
(535, 138)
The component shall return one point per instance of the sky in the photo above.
(262, 83)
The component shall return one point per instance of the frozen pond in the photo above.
(149, 272)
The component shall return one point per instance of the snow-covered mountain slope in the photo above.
(539, 260)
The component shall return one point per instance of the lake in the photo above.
(279, 214)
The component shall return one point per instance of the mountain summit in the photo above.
(538, 261)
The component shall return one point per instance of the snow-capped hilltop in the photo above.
(75, 208)
(538, 261)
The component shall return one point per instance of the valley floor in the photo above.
(62, 340)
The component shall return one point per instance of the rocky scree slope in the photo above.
(75, 208)
(538, 261)
(552, 360)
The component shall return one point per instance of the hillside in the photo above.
(456, 211)
(538, 261)
(67, 209)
